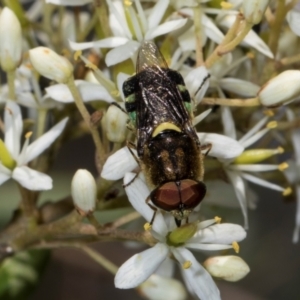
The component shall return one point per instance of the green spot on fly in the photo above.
(130, 98)
(181, 88)
(132, 116)
(188, 106)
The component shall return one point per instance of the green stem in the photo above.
(11, 84)
(102, 13)
(42, 114)
(104, 262)
(87, 118)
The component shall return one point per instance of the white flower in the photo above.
(254, 10)
(69, 2)
(13, 159)
(144, 28)
(203, 236)
(10, 40)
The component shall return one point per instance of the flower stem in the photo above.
(102, 13)
(87, 118)
(101, 260)
(11, 85)
(231, 102)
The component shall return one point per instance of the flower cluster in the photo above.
(152, 83)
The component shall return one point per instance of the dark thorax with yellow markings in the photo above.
(159, 107)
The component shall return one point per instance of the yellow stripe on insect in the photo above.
(165, 126)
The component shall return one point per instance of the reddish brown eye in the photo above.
(185, 194)
(192, 193)
(166, 196)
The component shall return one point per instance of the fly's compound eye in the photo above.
(186, 194)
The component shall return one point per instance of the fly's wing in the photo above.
(159, 99)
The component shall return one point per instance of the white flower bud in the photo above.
(50, 64)
(230, 268)
(84, 191)
(115, 123)
(10, 40)
(254, 10)
(159, 288)
(280, 89)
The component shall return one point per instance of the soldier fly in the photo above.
(168, 149)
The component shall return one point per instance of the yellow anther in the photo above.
(280, 150)
(226, 5)
(91, 66)
(28, 134)
(287, 191)
(236, 247)
(65, 52)
(115, 93)
(250, 55)
(283, 166)
(77, 54)
(272, 124)
(147, 226)
(187, 264)
(218, 219)
(269, 113)
(127, 2)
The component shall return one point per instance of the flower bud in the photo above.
(230, 268)
(84, 191)
(159, 287)
(115, 123)
(50, 64)
(10, 40)
(280, 89)
(254, 10)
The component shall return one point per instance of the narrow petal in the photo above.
(157, 13)
(137, 193)
(207, 247)
(89, 91)
(5, 174)
(111, 42)
(293, 18)
(240, 87)
(164, 28)
(224, 233)
(228, 122)
(223, 147)
(254, 138)
(197, 277)
(69, 2)
(13, 128)
(43, 142)
(121, 53)
(211, 30)
(140, 267)
(254, 167)
(31, 179)
(201, 117)
(118, 164)
(240, 191)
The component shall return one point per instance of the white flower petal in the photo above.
(43, 142)
(224, 233)
(228, 122)
(197, 277)
(240, 191)
(293, 18)
(69, 2)
(5, 174)
(240, 87)
(223, 147)
(31, 179)
(118, 164)
(207, 247)
(104, 43)
(197, 83)
(211, 30)
(164, 28)
(187, 41)
(201, 117)
(157, 13)
(155, 288)
(89, 91)
(140, 267)
(254, 167)
(121, 53)
(13, 128)
(137, 193)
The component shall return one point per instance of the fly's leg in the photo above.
(153, 208)
(206, 147)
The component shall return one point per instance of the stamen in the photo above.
(28, 134)
(147, 226)
(283, 166)
(287, 191)
(91, 66)
(187, 264)
(127, 2)
(218, 219)
(236, 247)
(269, 113)
(226, 5)
(272, 124)
(77, 54)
